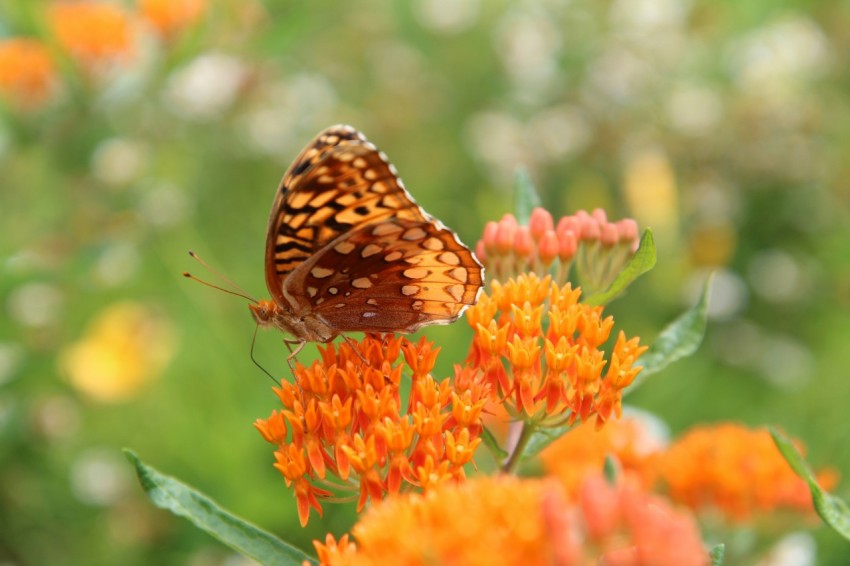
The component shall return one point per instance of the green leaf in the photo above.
(717, 554)
(612, 469)
(681, 338)
(177, 497)
(833, 510)
(526, 197)
(543, 437)
(640, 263)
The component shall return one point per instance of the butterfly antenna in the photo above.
(239, 291)
(256, 363)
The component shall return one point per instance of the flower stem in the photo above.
(512, 461)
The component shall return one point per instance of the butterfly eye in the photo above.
(261, 312)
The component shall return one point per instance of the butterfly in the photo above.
(349, 250)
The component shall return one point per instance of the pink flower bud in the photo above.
(539, 222)
(523, 242)
(628, 229)
(481, 251)
(491, 232)
(589, 228)
(567, 245)
(600, 507)
(547, 247)
(569, 224)
(609, 235)
(600, 215)
(506, 234)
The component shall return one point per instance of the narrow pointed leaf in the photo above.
(833, 510)
(168, 493)
(640, 263)
(681, 338)
(717, 555)
(526, 197)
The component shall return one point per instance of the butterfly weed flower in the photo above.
(93, 33)
(541, 352)
(734, 470)
(596, 248)
(27, 73)
(583, 451)
(344, 432)
(504, 520)
(170, 17)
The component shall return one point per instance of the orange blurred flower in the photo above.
(582, 451)
(736, 470)
(27, 74)
(126, 346)
(540, 351)
(504, 520)
(169, 17)
(343, 417)
(92, 32)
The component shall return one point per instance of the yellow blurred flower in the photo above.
(92, 32)
(735, 470)
(27, 73)
(125, 347)
(504, 520)
(169, 17)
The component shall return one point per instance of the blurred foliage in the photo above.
(723, 126)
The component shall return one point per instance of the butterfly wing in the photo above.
(392, 276)
(339, 183)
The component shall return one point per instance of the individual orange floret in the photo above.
(169, 17)
(736, 470)
(507, 521)
(541, 352)
(92, 32)
(344, 417)
(27, 73)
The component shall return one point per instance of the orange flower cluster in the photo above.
(504, 520)
(598, 248)
(736, 470)
(169, 17)
(582, 451)
(95, 34)
(547, 370)
(343, 417)
(92, 32)
(27, 73)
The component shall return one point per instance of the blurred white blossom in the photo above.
(206, 87)
(118, 161)
(446, 16)
(35, 304)
(100, 476)
(694, 110)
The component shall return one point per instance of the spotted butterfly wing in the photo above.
(349, 250)
(394, 276)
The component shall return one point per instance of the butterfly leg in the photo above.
(293, 353)
(353, 345)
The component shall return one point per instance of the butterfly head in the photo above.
(264, 312)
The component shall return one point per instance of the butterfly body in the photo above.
(348, 249)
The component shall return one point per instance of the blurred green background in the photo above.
(722, 125)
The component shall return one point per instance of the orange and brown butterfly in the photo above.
(348, 249)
